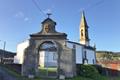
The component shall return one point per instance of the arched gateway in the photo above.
(48, 59)
(47, 53)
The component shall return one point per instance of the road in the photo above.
(4, 75)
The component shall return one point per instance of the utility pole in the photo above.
(4, 45)
(4, 50)
(3, 54)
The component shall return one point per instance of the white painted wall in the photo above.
(79, 51)
(90, 54)
(70, 45)
(50, 59)
(18, 59)
(42, 58)
(47, 59)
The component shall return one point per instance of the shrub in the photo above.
(88, 71)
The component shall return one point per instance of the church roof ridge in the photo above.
(6, 52)
(48, 20)
(53, 33)
(88, 47)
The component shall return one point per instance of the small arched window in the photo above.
(85, 55)
(82, 32)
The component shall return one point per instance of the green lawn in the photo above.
(47, 71)
(17, 75)
(50, 69)
(100, 78)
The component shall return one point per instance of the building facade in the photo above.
(51, 49)
(6, 57)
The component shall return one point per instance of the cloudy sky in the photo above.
(19, 18)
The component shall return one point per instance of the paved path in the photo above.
(4, 75)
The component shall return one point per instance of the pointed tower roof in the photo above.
(83, 20)
(84, 37)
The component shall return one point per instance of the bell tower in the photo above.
(84, 37)
(48, 25)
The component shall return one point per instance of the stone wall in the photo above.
(66, 58)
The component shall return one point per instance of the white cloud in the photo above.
(47, 11)
(26, 19)
(21, 16)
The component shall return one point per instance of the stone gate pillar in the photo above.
(30, 60)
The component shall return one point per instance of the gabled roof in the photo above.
(51, 32)
(87, 47)
(48, 20)
(7, 53)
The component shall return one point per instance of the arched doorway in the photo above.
(48, 59)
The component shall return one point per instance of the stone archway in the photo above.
(65, 62)
(48, 59)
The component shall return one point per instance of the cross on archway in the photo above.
(48, 14)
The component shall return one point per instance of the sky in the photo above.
(20, 18)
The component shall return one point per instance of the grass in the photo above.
(47, 71)
(10, 70)
(100, 78)
(79, 78)
(13, 73)
(50, 69)
(19, 77)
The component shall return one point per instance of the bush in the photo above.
(88, 71)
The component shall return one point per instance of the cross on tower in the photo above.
(48, 14)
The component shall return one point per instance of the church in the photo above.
(50, 49)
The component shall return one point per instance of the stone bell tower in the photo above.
(84, 37)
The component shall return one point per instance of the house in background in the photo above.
(6, 57)
(110, 61)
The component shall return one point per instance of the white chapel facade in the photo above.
(83, 50)
(84, 53)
